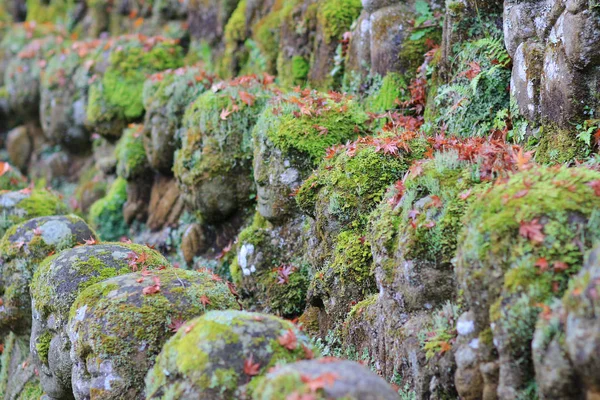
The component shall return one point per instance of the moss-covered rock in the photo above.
(18, 378)
(23, 73)
(221, 354)
(291, 137)
(18, 206)
(414, 239)
(64, 94)
(23, 248)
(339, 196)
(132, 163)
(340, 379)
(118, 326)
(115, 97)
(566, 341)
(522, 241)
(18, 36)
(166, 96)
(11, 178)
(270, 270)
(106, 214)
(53, 12)
(56, 284)
(214, 165)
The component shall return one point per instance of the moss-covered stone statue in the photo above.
(324, 379)
(23, 74)
(221, 354)
(214, 164)
(54, 288)
(522, 242)
(339, 197)
(166, 96)
(22, 249)
(290, 139)
(115, 96)
(118, 326)
(567, 340)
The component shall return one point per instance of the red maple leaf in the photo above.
(319, 382)
(532, 230)
(225, 113)
(153, 289)
(204, 300)
(308, 353)
(250, 367)
(596, 186)
(542, 264)
(90, 241)
(473, 71)
(288, 340)
(247, 98)
(176, 324)
(4, 168)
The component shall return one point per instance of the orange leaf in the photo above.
(288, 340)
(250, 367)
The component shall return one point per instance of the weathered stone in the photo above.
(342, 380)
(118, 326)
(166, 96)
(19, 147)
(270, 269)
(166, 204)
(193, 242)
(56, 284)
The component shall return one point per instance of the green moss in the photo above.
(300, 70)
(352, 258)
(559, 146)
(336, 17)
(350, 186)
(42, 346)
(311, 135)
(54, 11)
(31, 391)
(393, 88)
(213, 146)
(106, 214)
(117, 95)
(236, 33)
(131, 154)
(41, 203)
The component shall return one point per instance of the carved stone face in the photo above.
(276, 176)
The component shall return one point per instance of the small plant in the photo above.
(440, 338)
(427, 21)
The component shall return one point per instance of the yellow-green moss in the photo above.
(106, 214)
(336, 17)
